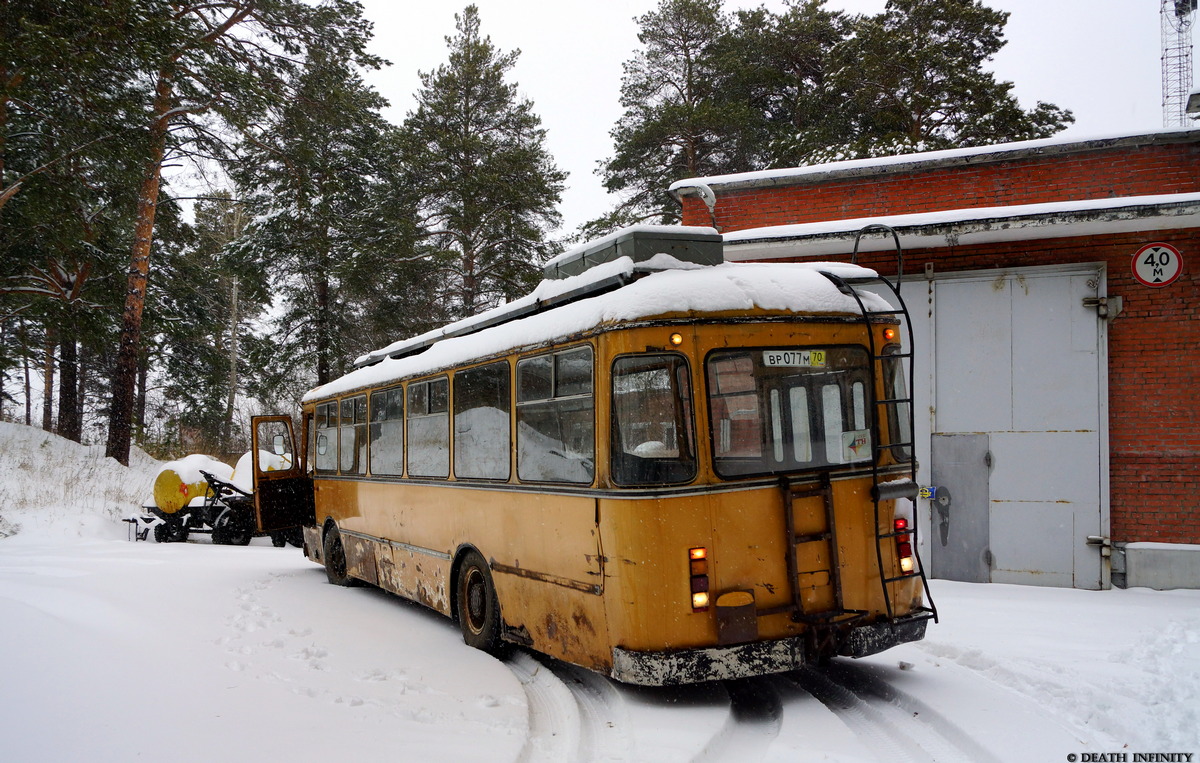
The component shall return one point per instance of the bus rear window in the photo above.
(788, 409)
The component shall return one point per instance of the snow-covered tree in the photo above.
(712, 94)
(311, 176)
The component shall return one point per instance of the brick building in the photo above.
(1053, 290)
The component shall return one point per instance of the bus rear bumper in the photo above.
(877, 637)
(688, 666)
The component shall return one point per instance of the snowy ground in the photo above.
(113, 650)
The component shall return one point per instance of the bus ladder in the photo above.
(837, 614)
(891, 408)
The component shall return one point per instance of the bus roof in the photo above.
(658, 287)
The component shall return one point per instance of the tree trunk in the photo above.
(69, 418)
(48, 382)
(24, 329)
(323, 329)
(231, 390)
(139, 411)
(82, 364)
(120, 432)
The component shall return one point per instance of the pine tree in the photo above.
(677, 116)
(197, 314)
(711, 95)
(486, 187)
(784, 67)
(312, 180)
(210, 64)
(68, 118)
(914, 78)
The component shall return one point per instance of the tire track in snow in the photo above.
(755, 717)
(604, 715)
(891, 722)
(554, 718)
(578, 715)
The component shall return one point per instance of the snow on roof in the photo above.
(877, 164)
(971, 225)
(674, 289)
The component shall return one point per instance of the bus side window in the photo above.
(387, 432)
(481, 423)
(325, 459)
(352, 435)
(556, 418)
(429, 429)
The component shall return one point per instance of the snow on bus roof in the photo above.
(672, 288)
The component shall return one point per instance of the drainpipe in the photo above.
(708, 197)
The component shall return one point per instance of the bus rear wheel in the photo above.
(335, 559)
(478, 609)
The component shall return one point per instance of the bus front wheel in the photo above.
(478, 609)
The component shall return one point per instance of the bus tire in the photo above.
(335, 559)
(477, 608)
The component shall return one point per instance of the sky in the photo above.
(1098, 58)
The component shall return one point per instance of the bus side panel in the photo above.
(415, 575)
(336, 499)
(360, 558)
(543, 549)
(563, 622)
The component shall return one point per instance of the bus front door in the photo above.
(283, 492)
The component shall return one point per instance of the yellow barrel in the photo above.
(180, 482)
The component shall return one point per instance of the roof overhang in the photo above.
(963, 227)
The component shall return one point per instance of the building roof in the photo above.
(929, 160)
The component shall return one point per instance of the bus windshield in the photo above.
(788, 409)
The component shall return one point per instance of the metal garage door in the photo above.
(1016, 430)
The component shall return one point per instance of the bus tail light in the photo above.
(698, 570)
(904, 546)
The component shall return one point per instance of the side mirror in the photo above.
(279, 445)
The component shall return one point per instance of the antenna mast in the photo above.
(1177, 19)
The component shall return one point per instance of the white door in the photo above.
(1015, 388)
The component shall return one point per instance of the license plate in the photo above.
(794, 358)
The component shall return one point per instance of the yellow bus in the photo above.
(658, 465)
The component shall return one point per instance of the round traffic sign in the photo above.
(1157, 264)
